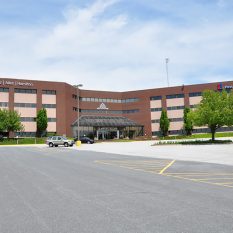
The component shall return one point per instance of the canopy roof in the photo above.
(105, 121)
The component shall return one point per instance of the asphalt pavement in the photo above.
(61, 190)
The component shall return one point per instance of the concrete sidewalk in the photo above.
(220, 154)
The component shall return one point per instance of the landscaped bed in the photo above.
(193, 142)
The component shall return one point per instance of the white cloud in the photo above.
(117, 53)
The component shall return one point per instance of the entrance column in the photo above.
(97, 134)
(118, 134)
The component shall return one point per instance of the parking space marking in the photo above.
(213, 178)
(151, 166)
(164, 169)
(160, 167)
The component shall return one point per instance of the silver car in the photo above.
(59, 140)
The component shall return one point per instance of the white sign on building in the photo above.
(102, 107)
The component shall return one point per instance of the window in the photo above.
(175, 108)
(193, 94)
(49, 92)
(176, 119)
(175, 96)
(27, 119)
(52, 119)
(25, 105)
(49, 105)
(3, 89)
(155, 97)
(193, 105)
(156, 109)
(74, 96)
(155, 121)
(25, 91)
(25, 134)
(3, 104)
(110, 111)
(108, 100)
(130, 111)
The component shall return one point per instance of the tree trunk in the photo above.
(213, 130)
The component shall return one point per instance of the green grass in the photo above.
(204, 135)
(22, 141)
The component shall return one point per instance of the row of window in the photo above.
(28, 91)
(155, 97)
(174, 96)
(48, 92)
(175, 108)
(25, 105)
(3, 104)
(156, 109)
(30, 105)
(107, 100)
(181, 119)
(168, 108)
(98, 111)
(194, 94)
(193, 105)
(3, 89)
(33, 119)
(49, 105)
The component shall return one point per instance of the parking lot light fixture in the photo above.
(78, 99)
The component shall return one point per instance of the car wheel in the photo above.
(50, 144)
(66, 144)
(71, 145)
(56, 145)
(88, 142)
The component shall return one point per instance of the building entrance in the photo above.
(107, 127)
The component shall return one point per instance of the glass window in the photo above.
(155, 97)
(174, 96)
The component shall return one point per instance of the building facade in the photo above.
(142, 107)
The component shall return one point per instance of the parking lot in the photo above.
(65, 190)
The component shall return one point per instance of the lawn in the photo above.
(22, 141)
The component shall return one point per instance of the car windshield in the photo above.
(64, 138)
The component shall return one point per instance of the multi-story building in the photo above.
(103, 114)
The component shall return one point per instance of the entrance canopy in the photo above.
(105, 121)
(107, 127)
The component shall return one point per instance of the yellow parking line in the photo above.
(215, 179)
(165, 168)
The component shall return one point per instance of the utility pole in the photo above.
(78, 100)
(166, 61)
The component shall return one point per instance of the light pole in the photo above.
(77, 88)
(167, 60)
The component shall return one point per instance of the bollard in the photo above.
(78, 143)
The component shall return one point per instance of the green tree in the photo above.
(188, 123)
(3, 118)
(13, 123)
(213, 111)
(41, 121)
(164, 123)
(229, 110)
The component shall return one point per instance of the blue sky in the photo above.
(117, 44)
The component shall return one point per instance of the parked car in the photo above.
(85, 140)
(59, 140)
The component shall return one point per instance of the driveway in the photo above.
(219, 154)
